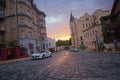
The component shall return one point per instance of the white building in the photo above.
(51, 43)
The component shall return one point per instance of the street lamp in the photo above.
(96, 40)
(97, 46)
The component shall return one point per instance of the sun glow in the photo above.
(63, 38)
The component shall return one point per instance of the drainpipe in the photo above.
(16, 22)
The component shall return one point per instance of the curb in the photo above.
(15, 60)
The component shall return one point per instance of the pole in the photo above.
(97, 46)
(16, 22)
(97, 41)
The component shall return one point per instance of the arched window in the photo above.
(22, 34)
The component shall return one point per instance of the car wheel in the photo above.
(43, 56)
(50, 55)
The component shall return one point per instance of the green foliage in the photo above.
(23, 51)
(63, 42)
(70, 41)
(12, 43)
(66, 47)
(2, 46)
(3, 2)
(104, 25)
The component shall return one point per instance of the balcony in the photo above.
(1, 16)
(24, 2)
(2, 30)
(25, 14)
(24, 25)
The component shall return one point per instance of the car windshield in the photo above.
(42, 51)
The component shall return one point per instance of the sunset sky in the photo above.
(58, 13)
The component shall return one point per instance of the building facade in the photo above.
(51, 44)
(89, 29)
(74, 34)
(24, 23)
(111, 27)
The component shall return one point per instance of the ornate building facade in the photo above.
(88, 29)
(25, 24)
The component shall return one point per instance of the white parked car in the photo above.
(74, 50)
(41, 55)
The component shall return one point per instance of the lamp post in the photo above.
(97, 46)
(96, 40)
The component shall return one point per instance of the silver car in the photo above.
(41, 55)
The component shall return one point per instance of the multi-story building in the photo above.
(88, 29)
(24, 23)
(51, 45)
(2, 29)
(111, 27)
(92, 31)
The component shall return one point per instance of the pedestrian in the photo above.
(115, 43)
(82, 47)
(101, 46)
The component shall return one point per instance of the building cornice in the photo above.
(114, 6)
(19, 14)
(24, 26)
(24, 3)
(91, 27)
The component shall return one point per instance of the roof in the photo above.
(114, 6)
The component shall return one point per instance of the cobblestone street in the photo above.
(65, 65)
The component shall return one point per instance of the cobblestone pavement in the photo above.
(65, 65)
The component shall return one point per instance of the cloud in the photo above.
(55, 19)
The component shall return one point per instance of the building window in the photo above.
(21, 10)
(49, 44)
(29, 23)
(21, 21)
(20, 0)
(28, 12)
(43, 46)
(93, 33)
(22, 34)
(29, 35)
(83, 26)
(86, 25)
(97, 22)
(87, 19)
(84, 36)
(1, 9)
(90, 34)
(92, 24)
(43, 38)
(27, 2)
(81, 38)
(42, 31)
(89, 25)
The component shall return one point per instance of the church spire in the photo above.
(71, 17)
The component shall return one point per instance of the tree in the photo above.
(63, 42)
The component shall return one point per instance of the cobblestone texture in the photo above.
(65, 65)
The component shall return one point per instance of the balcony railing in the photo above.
(1, 15)
(24, 25)
(24, 14)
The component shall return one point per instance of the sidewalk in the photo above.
(15, 60)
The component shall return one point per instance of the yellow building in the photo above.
(24, 23)
(87, 29)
